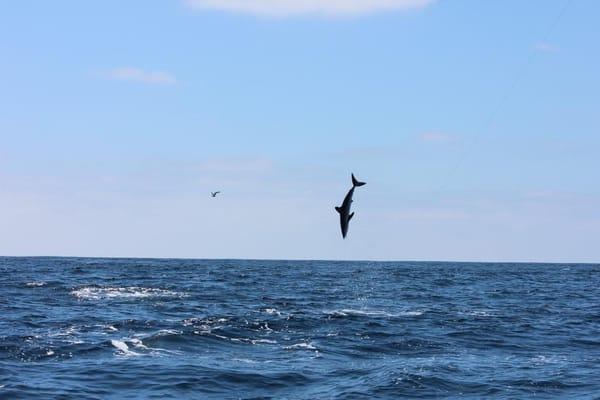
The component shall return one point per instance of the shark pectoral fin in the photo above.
(350, 217)
(338, 209)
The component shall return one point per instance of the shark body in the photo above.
(344, 209)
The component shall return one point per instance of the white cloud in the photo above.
(436, 137)
(546, 47)
(282, 8)
(139, 75)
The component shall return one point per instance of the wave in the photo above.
(371, 313)
(98, 293)
(478, 313)
(271, 311)
(110, 328)
(123, 348)
(36, 284)
(176, 329)
(301, 346)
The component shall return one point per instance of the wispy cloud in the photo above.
(546, 47)
(436, 137)
(283, 8)
(236, 165)
(139, 75)
(232, 172)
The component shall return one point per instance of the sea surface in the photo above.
(82, 328)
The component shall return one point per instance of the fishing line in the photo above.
(489, 121)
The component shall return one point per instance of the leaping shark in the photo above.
(344, 209)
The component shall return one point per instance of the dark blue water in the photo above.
(123, 328)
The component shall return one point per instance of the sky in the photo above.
(475, 125)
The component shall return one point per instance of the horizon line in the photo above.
(311, 259)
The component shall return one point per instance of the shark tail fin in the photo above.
(356, 182)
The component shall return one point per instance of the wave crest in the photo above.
(97, 293)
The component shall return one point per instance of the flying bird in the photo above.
(344, 209)
(214, 194)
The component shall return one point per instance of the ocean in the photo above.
(92, 328)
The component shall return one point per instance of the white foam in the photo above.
(272, 311)
(410, 313)
(346, 312)
(50, 353)
(138, 343)
(190, 321)
(68, 334)
(359, 313)
(541, 359)
(205, 329)
(35, 284)
(478, 313)
(122, 346)
(205, 324)
(264, 341)
(97, 293)
(165, 332)
(301, 346)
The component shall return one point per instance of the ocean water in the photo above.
(232, 329)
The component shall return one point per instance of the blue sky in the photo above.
(475, 125)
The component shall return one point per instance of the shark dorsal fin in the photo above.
(350, 216)
(338, 209)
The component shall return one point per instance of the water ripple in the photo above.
(127, 328)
